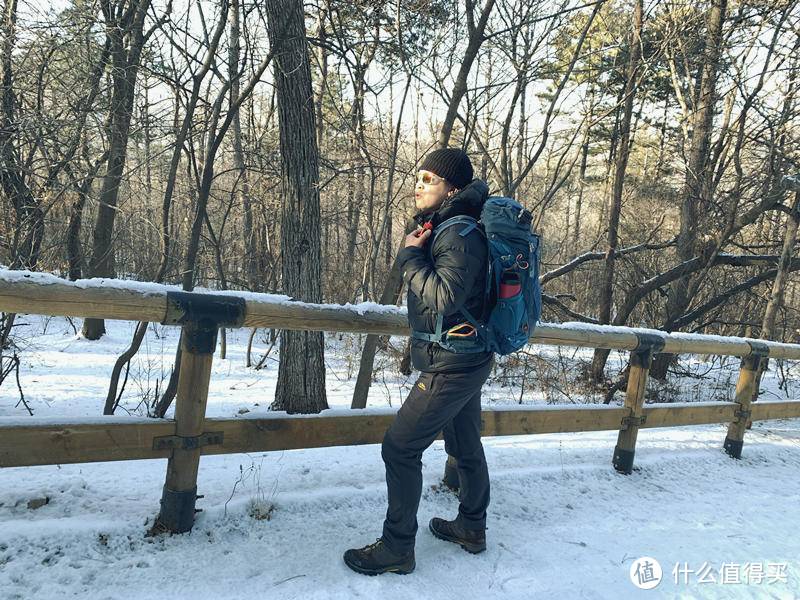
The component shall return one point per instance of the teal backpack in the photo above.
(513, 294)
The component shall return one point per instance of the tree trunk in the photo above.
(389, 295)
(74, 252)
(779, 285)
(581, 189)
(523, 128)
(607, 288)
(301, 369)
(112, 397)
(126, 42)
(322, 59)
(695, 191)
(73, 242)
(776, 296)
(355, 202)
(476, 38)
(29, 216)
(243, 187)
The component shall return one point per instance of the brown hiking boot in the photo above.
(471, 540)
(377, 558)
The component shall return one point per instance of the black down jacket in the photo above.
(446, 277)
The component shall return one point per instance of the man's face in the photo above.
(430, 191)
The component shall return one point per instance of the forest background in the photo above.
(273, 146)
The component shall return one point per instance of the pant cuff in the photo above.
(471, 524)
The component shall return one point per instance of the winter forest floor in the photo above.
(562, 522)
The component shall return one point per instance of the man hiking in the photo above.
(446, 274)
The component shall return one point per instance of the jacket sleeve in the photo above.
(444, 285)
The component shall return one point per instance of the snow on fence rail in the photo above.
(40, 293)
(27, 442)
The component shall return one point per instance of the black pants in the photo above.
(447, 402)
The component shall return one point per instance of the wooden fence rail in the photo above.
(124, 300)
(183, 440)
(28, 442)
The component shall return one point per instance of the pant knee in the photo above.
(387, 448)
(451, 447)
(470, 456)
(390, 450)
(394, 451)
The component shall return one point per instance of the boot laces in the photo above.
(373, 546)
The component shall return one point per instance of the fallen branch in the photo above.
(113, 398)
(688, 267)
(552, 300)
(588, 256)
(727, 295)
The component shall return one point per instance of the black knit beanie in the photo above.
(451, 163)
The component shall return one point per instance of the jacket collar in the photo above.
(468, 201)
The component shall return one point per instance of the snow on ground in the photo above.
(562, 522)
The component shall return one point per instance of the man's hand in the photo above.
(417, 238)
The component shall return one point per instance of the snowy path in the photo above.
(562, 523)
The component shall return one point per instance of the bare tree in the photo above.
(29, 214)
(697, 185)
(615, 210)
(243, 181)
(203, 173)
(475, 31)
(124, 22)
(301, 371)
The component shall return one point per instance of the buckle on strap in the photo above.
(431, 337)
(466, 331)
(427, 337)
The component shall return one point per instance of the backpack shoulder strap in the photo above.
(470, 222)
(439, 336)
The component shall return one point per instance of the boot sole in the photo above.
(471, 548)
(398, 570)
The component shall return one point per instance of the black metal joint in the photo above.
(733, 447)
(176, 442)
(199, 338)
(632, 421)
(201, 315)
(623, 460)
(648, 345)
(177, 510)
(758, 352)
(212, 309)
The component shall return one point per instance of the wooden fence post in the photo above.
(641, 360)
(745, 391)
(201, 316)
(451, 478)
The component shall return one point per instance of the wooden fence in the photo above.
(190, 434)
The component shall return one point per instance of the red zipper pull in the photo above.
(427, 225)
